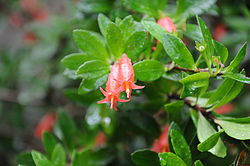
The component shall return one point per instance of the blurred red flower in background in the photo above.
(219, 32)
(167, 24)
(225, 109)
(45, 124)
(161, 145)
(100, 140)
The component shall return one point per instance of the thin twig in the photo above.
(196, 107)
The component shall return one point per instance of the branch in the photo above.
(196, 107)
(175, 67)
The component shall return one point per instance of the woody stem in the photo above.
(175, 67)
(190, 104)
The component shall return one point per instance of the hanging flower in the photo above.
(167, 24)
(161, 145)
(46, 124)
(112, 92)
(127, 76)
(227, 108)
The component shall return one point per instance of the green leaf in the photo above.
(87, 157)
(221, 91)
(208, 41)
(175, 111)
(194, 116)
(195, 84)
(198, 163)
(234, 92)
(91, 43)
(40, 159)
(204, 131)
(88, 85)
(103, 22)
(67, 128)
(210, 142)
(238, 77)
(127, 26)
(149, 7)
(136, 44)
(181, 147)
(148, 70)
(170, 159)
(115, 40)
(145, 158)
(58, 156)
(240, 131)
(193, 32)
(188, 8)
(178, 52)
(26, 159)
(221, 51)
(73, 61)
(93, 69)
(237, 60)
(154, 29)
(49, 143)
(232, 119)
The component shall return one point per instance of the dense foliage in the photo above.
(174, 80)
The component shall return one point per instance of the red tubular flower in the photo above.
(161, 145)
(29, 38)
(219, 32)
(16, 20)
(45, 124)
(112, 92)
(127, 76)
(167, 24)
(100, 139)
(225, 109)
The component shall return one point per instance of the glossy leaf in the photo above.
(58, 156)
(154, 29)
(148, 70)
(88, 85)
(221, 91)
(232, 119)
(89, 158)
(198, 163)
(181, 147)
(91, 43)
(49, 143)
(193, 32)
(195, 84)
(234, 92)
(221, 51)
(146, 6)
(40, 159)
(238, 77)
(240, 131)
(26, 159)
(207, 38)
(145, 158)
(210, 142)
(204, 131)
(115, 40)
(238, 59)
(67, 128)
(93, 69)
(178, 52)
(127, 26)
(73, 61)
(170, 159)
(136, 44)
(103, 21)
(190, 8)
